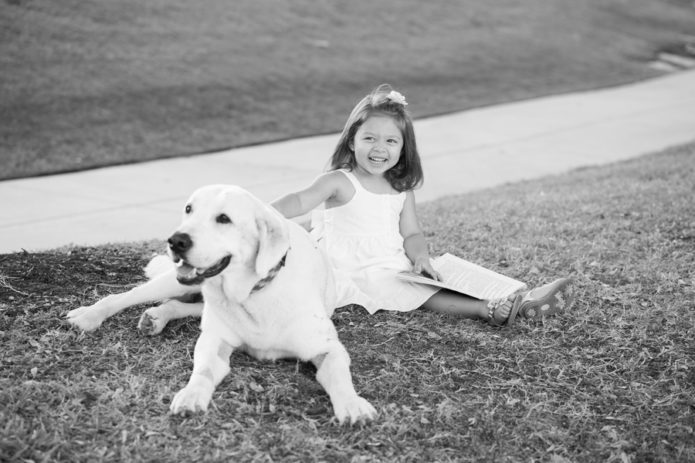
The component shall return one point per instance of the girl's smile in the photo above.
(377, 145)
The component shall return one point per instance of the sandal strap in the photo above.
(495, 304)
(492, 307)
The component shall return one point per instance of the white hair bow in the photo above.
(397, 97)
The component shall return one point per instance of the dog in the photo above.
(267, 290)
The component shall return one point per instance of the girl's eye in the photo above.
(188, 209)
(223, 218)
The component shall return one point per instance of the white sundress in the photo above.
(362, 241)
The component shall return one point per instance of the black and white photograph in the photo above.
(331, 231)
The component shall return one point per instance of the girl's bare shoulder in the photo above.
(340, 185)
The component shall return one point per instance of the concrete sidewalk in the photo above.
(461, 152)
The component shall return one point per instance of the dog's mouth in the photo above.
(186, 274)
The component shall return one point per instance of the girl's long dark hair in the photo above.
(407, 173)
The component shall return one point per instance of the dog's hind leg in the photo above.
(333, 373)
(156, 318)
(161, 287)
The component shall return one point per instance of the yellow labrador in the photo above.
(267, 290)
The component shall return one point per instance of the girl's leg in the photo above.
(452, 303)
(535, 304)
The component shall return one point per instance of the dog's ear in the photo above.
(273, 239)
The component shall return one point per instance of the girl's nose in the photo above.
(380, 146)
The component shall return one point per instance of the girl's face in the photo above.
(377, 145)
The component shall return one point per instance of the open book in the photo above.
(467, 278)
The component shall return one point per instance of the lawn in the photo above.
(611, 380)
(85, 84)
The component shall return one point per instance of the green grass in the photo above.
(612, 380)
(103, 82)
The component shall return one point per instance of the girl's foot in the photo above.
(535, 304)
(499, 310)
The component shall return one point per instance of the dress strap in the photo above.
(356, 183)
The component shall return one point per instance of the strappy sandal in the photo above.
(535, 304)
(496, 304)
(544, 301)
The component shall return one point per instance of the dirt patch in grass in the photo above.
(611, 380)
(104, 82)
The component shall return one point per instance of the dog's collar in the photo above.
(271, 274)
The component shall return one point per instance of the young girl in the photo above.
(369, 228)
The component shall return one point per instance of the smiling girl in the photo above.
(369, 227)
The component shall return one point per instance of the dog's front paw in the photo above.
(354, 410)
(190, 399)
(85, 318)
(150, 324)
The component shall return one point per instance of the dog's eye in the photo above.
(188, 209)
(223, 218)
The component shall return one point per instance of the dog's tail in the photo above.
(158, 264)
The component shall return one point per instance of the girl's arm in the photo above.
(295, 204)
(414, 241)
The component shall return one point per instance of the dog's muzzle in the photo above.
(186, 274)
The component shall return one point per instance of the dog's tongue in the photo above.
(186, 272)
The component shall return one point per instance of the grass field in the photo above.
(612, 380)
(85, 84)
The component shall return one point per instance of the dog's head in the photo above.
(225, 227)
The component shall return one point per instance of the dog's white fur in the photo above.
(289, 317)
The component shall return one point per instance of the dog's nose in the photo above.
(180, 242)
